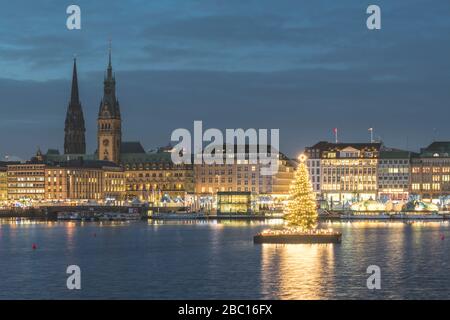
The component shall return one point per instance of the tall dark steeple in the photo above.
(74, 140)
(109, 123)
(109, 106)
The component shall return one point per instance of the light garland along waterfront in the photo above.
(132, 213)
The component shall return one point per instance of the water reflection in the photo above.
(297, 271)
(203, 259)
(215, 222)
(70, 232)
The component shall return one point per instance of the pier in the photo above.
(51, 212)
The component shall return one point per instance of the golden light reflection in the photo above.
(297, 271)
(24, 222)
(70, 231)
(384, 224)
(218, 223)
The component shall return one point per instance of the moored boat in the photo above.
(366, 215)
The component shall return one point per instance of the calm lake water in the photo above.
(218, 260)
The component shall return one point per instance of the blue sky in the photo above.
(301, 66)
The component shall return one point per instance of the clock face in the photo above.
(106, 142)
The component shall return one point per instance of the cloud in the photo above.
(300, 66)
(304, 104)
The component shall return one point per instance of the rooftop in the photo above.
(4, 164)
(138, 158)
(325, 145)
(438, 146)
(392, 153)
(95, 164)
(131, 147)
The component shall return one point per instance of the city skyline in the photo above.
(224, 156)
(189, 64)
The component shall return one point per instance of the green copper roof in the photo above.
(395, 154)
(141, 158)
(67, 157)
(436, 149)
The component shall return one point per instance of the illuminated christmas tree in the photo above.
(301, 210)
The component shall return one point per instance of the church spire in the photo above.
(109, 106)
(74, 96)
(109, 60)
(74, 139)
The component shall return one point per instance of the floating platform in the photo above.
(305, 238)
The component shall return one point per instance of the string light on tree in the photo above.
(300, 214)
(301, 210)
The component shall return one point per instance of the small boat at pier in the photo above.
(383, 215)
(98, 216)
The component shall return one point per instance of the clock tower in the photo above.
(109, 123)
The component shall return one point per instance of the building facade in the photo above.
(73, 181)
(3, 182)
(430, 173)
(313, 162)
(394, 174)
(78, 181)
(347, 172)
(243, 175)
(152, 177)
(26, 181)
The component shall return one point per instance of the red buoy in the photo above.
(34, 246)
(442, 237)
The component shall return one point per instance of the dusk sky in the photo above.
(304, 67)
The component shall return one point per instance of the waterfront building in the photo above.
(313, 156)
(268, 192)
(394, 174)
(114, 187)
(234, 202)
(3, 182)
(430, 173)
(74, 138)
(78, 181)
(44, 181)
(280, 184)
(149, 176)
(348, 171)
(26, 181)
(153, 177)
